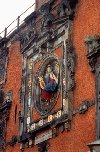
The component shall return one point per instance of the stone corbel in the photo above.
(93, 47)
(6, 100)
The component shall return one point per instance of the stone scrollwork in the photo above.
(66, 8)
(47, 15)
(84, 107)
(26, 36)
(92, 43)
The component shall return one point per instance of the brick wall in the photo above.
(83, 129)
(13, 83)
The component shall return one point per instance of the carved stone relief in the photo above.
(47, 16)
(53, 77)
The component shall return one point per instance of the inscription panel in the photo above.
(43, 137)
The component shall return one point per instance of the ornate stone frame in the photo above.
(61, 117)
(45, 43)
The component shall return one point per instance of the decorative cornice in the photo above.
(48, 21)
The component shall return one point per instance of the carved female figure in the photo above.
(48, 83)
